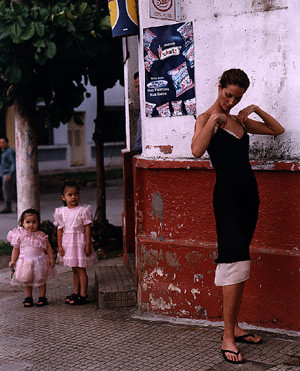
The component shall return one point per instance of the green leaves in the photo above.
(13, 73)
(49, 48)
(39, 28)
(27, 32)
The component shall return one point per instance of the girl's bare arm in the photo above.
(59, 241)
(14, 256)
(87, 231)
(50, 254)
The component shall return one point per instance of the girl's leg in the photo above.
(232, 298)
(42, 299)
(76, 281)
(83, 279)
(28, 291)
(42, 290)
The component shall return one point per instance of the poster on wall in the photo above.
(169, 70)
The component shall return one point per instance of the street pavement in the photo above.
(62, 337)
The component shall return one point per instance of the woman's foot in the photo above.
(241, 336)
(230, 351)
(227, 353)
(28, 302)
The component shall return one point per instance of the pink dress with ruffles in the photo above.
(32, 267)
(72, 222)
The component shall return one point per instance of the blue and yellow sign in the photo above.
(123, 17)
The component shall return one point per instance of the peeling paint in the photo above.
(157, 205)
(171, 287)
(157, 271)
(194, 292)
(172, 259)
(198, 277)
(160, 303)
(185, 312)
(165, 149)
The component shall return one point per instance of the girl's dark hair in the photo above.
(68, 184)
(234, 76)
(29, 211)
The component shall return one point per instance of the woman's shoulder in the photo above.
(204, 117)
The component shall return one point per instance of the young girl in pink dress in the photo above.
(74, 240)
(32, 266)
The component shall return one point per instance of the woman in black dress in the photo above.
(236, 198)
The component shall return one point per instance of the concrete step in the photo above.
(115, 287)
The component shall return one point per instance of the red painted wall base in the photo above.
(176, 244)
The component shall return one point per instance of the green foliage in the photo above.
(49, 49)
(5, 248)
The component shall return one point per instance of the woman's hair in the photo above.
(29, 211)
(234, 76)
(68, 184)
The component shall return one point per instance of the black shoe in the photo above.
(42, 301)
(28, 302)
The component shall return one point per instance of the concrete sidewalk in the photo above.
(62, 337)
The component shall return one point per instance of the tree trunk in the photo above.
(98, 138)
(28, 193)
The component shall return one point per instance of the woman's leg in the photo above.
(83, 279)
(232, 298)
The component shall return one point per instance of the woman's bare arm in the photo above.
(269, 126)
(204, 130)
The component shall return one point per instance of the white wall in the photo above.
(258, 36)
(112, 97)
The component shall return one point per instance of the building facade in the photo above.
(175, 236)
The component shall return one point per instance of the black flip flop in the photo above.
(229, 360)
(242, 339)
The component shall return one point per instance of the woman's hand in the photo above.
(61, 251)
(220, 119)
(244, 113)
(12, 264)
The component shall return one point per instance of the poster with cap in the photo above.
(169, 70)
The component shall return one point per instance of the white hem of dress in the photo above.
(232, 273)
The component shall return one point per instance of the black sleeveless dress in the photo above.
(236, 198)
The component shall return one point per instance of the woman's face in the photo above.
(231, 95)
